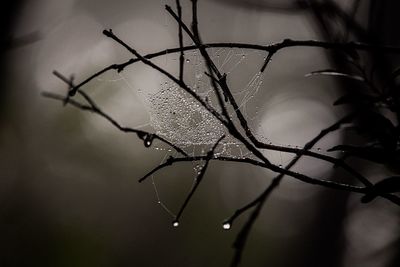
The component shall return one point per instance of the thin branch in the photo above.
(212, 69)
(181, 57)
(171, 160)
(307, 179)
(267, 60)
(287, 43)
(241, 239)
(93, 107)
(111, 35)
(198, 180)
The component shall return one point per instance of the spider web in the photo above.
(179, 118)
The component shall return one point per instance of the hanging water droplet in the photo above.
(148, 140)
(280, 166)
(187, 60)
(226, 226)
(175, 224)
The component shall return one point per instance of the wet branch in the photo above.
(198, 180)
(287, 43)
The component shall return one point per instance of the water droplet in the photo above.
(280, 166)
(175, 224)
(319, 149)
(226, 226)
(148, 140)
(187, 60)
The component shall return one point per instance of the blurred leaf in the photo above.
(330, 72)
(353, 54)
(381, 128)
(353, 98)
(388, 185)
(392, 78)
(374, 154)
(395, 74)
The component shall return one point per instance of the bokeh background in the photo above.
(69, 194)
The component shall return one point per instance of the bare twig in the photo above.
(287, 43)
(93, 107)
(198, 180)
(181, 57)
(241, 239)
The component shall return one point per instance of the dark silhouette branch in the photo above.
(181, 56)
(93, 107)
(258, 203)
(198, 180)
(287, 43)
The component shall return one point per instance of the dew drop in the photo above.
(280, 165)
(226, 226)
(187, 60)
(148, 140)
(175, 224)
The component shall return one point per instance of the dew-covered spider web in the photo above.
(182, 120)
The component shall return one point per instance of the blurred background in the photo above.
(69, 194)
